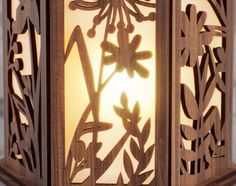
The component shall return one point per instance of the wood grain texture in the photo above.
(163, 94)
(209, 133)
(25, 93)
(56, 9)
(182, 40)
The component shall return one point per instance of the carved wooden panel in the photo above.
(24, 75)
(205, 89)
(109, 92)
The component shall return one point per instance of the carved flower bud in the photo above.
(17, 47)
(18, 64)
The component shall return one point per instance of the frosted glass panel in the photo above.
(109, 92)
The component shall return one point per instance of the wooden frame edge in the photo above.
(8, 177)
(227, 178)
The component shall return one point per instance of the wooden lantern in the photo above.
(118, 92)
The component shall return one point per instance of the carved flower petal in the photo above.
(135, 43)
(110, 47)
(142, 71)
(143, 55)
(108, 60)
(201, 20)
(191, 11)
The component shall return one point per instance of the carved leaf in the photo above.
(146, 131)
(220, 54)
(124, 100)
(130, 128)
(122, 112)
(78, 39)
(188, 155)
(204, 70)
(147, 157)
(28, 159)
(142, 177)
(189, 103)
(100, 126)
(211, 85)
(78, 150)
(27, 81)
(128, 165)
(188, 132)
(136, 113)
(120, 181)
(15, 149)
(19, 104)
(135, 149)
(212, 118)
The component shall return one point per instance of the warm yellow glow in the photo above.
(187, 73)
(136, 88)
(14, 5)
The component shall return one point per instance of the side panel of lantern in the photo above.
(109, 92)
(25, 88)
(204, 48)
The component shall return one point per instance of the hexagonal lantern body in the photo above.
(117, 92)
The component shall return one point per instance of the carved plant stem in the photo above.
(33, 54)
(21, 150)
(97, 105)
(94, 96)
(111, 156)
(35, 87)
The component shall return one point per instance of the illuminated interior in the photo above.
(137, 89)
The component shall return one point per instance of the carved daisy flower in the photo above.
(125, 55)
(193, 35)
(113, 10)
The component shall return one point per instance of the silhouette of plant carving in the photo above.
(125, 56)
(206, 130)
(24, 140)
(192, 25)
(113, 10)
(130, 122)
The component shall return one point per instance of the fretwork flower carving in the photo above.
(115, 11)
(125, 55)
(192, 30)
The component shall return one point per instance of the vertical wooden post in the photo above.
(26, 91)
(57, 92)
(202, 160)
(38, 157)
(163, 91)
